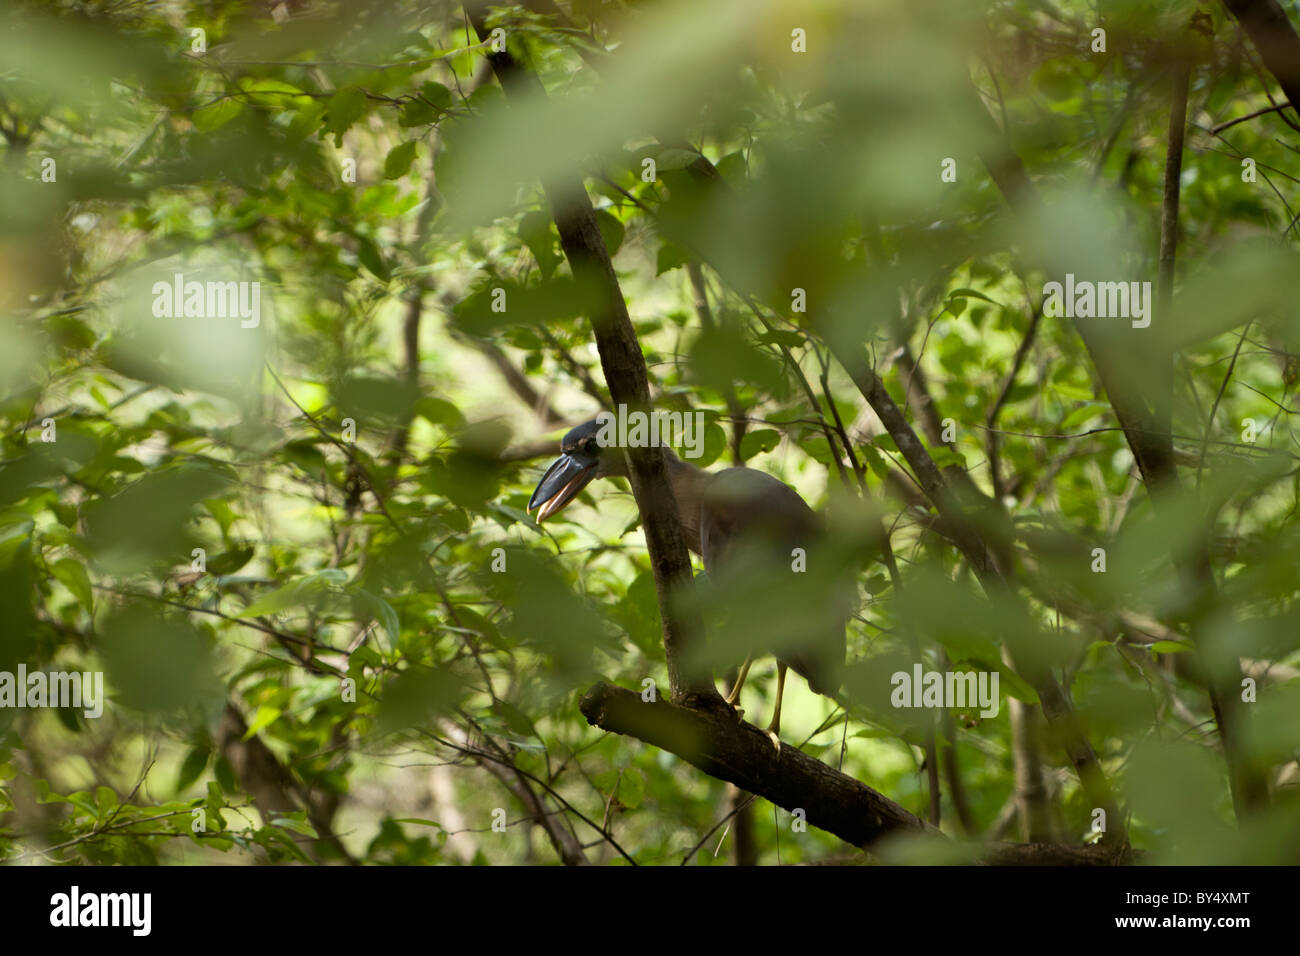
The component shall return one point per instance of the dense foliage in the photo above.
(294, 539)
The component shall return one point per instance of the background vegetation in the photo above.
(350, 465)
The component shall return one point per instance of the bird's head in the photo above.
(583, 458)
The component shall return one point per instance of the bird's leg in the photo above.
(734, 697)
(774, 728)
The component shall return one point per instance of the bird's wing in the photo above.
(744, 508)
(742, 505)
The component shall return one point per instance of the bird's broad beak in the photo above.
(569, 474)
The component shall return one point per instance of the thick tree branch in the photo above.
(1273, 36)
(1030, 793)
(1012, 179)
(990, 564)
(1162, 388)
(273, 789)
(585, 248)
(918, 396)
(729, 749)
(952, 775)
(625, 373)
(1246, 792)
(410, 366)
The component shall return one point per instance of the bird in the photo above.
(728, 517)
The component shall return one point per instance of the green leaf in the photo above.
(439, 411)
(296, 823)
(417, 113)
(1016, 686)
(537, 233)
(221, 512)
(670, 256)
(516, 719)
(631, 788)
(398, 161)
(228, 562)
(669, 159)
(266, 715)
(715, 443)
(969, 293)
(612, 230)
(383, 612)
(196, 761)
(272, 93)
(733, 168)
(70, 332)
(156, 659)
(418, 822)
(72, 575)
(875, 461)
(1081, 414)
(218, 114)
(344, 108)
(414, 696)
(791, 340)
(1018, 393)
(434, 100)
(216, 796)
(292, 595)
(1066, 390)
(758, 442)
(818, 449)
(945, 457)
(225, 782)
(372, 258)
(437, 94)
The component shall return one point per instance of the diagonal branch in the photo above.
(991, 563)
(991, 418)
(502, 766)
(1151, 444)
(731, 750)
(625, 372)
(1273, 36)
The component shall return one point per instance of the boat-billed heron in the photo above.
(723, 514)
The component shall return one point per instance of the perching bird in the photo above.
(723, 513)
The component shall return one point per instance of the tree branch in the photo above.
(1152, 447)
(1273, 36)
(990, 564)
(994, 442)
(729, 749)
(625, 373)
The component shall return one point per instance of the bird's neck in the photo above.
(688, 488)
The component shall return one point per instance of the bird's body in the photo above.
(735, 519)
(723, 512)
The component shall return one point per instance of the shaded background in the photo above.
(349, 466)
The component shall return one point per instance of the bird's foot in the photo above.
(776, 741)
(732, 701)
